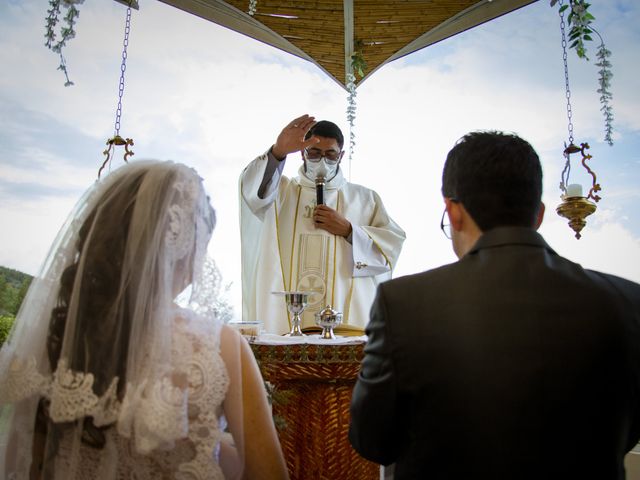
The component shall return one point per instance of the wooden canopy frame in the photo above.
(329, 32)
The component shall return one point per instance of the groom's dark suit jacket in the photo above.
(512, 363)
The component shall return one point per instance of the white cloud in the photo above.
(34, 226)
(606, 246)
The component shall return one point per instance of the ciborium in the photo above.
(328, 319)
(296, 303)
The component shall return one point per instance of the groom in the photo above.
(512, 363)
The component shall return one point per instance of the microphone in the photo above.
(320, 190)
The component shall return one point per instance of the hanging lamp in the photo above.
(575, 206)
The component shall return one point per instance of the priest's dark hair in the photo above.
(497, 177)
(327, 129)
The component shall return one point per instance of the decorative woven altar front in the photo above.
(312, 387)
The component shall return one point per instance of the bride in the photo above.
(104, 375)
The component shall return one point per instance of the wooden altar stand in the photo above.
(312, 387)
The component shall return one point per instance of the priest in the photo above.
(315, 232)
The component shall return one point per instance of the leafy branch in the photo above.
(358, 66)
(580, 20)
(604, 80)
(67, 32)
(351, 114)
(253, 6)
(358, 63)
(280, 397)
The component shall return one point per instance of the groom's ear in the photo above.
(540, 216)
(454, 211)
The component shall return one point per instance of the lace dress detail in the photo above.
(72, 397)
(22, 380)
(163, 431)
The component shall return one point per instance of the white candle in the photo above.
(574, 190)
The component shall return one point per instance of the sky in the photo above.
(214, 99)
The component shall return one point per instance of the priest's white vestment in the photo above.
(283, 250)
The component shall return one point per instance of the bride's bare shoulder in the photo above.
(230, 341)
(229, 335)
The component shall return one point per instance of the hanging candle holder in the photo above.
(575, 206)
(117, 140)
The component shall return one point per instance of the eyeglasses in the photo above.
(315, 155)
(445, 227)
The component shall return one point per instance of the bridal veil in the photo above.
(92, 349)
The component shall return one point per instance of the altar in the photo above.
(310, 384)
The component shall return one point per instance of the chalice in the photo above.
(296, 303)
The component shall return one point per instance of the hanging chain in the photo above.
(123, 68)
(566, 75)
(117, 140)
(566, 171)
(575, 207)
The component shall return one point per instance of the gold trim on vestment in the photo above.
(293, 238)
(288, 287)
(295, 222)
(335, 250)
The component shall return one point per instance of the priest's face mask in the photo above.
(322, 159)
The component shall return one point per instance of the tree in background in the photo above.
(6, 323)
(13, 288)
(7, 296)
(21, 294)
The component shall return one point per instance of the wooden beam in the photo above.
(348, 37)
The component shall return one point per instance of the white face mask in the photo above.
(321, 169)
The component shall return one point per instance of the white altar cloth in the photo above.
(272, 339)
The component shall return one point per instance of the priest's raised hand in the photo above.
(292, 137)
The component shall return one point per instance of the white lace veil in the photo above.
(93, 335)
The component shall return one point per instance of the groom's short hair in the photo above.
(497, 177)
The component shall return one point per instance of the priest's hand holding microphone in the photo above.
(321, 156)
(328, 219)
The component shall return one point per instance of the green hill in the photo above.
(13, 287)
(14, 277)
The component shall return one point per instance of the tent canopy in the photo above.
(329, 32)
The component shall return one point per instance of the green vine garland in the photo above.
(66, 32)
(580, 20)
(358, 63)
(358, 66)
(253, 6)
(604, 80)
